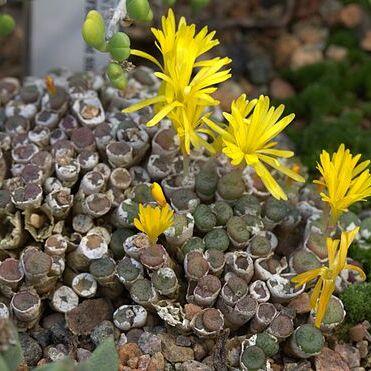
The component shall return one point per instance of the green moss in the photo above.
(357, 302)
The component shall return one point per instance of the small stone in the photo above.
(306, 54)
(59, 333)
(280, 89)
(362, 346)
(336, 53)
(129, 351)
(359, 332)
(301, 304)
(329, 360)
(103, 331)
(351, 15)
(183, 341)
(42, 336)
(200, 351)
(194, 366)
(143, 362)
(284, 49)
(149, 343)
(156, 363)
(133, 362)
(311, 32)
(175, 353)
(350, 354)
(87, 315)
(82, 354)
(32, 351)
(191, 310)
(133, 335)
(366, 41)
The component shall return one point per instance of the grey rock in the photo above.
(149, 343)
(32, 351)
(103, 331)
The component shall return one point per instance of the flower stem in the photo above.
(186, 161)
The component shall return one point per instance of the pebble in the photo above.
(87, 315)
(280, 89)
(336, 53)
(362, 346)
(366, 41)
(199, 351)
(306, 54)
(329, 360)
(359, 332)
(311, 32)
(183, 341)
(82, 354)
(32, 351)
(351, 15)
(284, 48)
(350, 354)
(42, 336)
(102, 331)
(157, 362)
(175, 353)
(149, 343)
(194, 366)
(129, 351)
(133, 335)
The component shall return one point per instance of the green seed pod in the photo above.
(252, 358)
(222, 211)
(237, 231)
(247, 205)
(231, 186)
(119, 46)
(205, 220)
(268, 343)
(139, 10)
(198, 5)
(116, 75)
(7, 25)
(93, 30)
(217, 239)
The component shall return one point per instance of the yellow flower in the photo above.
(248, 139)
(50, 86)
(158, 194)
(345, 181)
(187, 84)
(337, 251)
(153, 221)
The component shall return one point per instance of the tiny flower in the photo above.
(337, 251)
(248, 139)
(154, 221)
(50, 86)
(158, 194)
(345, 181)
(187, 83)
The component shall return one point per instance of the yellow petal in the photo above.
(158, 194)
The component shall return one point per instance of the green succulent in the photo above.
(7, 25)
